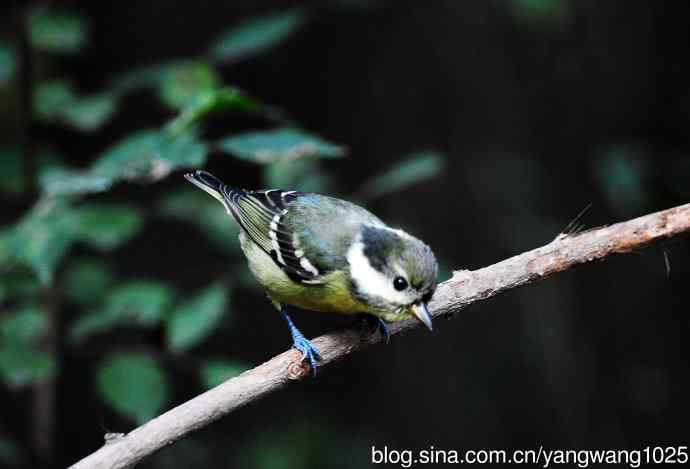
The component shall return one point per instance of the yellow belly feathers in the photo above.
(333, 296)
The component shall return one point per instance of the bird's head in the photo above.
(393, 273)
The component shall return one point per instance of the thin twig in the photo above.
(463, 289)
(44, 398)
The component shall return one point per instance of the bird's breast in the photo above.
(332, 295)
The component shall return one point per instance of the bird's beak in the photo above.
(422, 313)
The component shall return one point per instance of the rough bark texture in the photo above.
(463, 289)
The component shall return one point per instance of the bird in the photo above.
(321, 253)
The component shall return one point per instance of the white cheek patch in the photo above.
(369, 280)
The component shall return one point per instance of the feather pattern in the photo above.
(260, 214)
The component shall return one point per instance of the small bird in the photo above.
(324, 254)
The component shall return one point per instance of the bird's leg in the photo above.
(300, 342)
(377, 324)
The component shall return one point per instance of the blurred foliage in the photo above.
(107, 226)
(215, 371)
(134, 384)
(277, 145)
(7, 62)
(300, 446)
(622, 172)
(257, 35)
(179, 85)
(71, 242)
(305, 173)
(86, 280)
(11, 180)
(58, 31)
(21, 363)
(191, 206)
(146, 155)
(56, 102)
(134, 303)
(192, 321)
(413, 169)
(211, 101)
(43, 236)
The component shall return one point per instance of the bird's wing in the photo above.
(260, 214)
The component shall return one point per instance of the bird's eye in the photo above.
(400, 283)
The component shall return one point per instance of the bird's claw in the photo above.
(383, 329)
(301, 343)
(376, 324)
(308, 352)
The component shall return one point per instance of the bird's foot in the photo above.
(376, 324)
(302, 344)
(308, 350)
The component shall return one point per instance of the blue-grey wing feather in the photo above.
(307, 235)
(260, 214)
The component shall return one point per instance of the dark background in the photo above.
(538, 114)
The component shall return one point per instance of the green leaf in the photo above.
(20, 362)
(8, 63)
(208, 102)
(50, 98)
(304, 174)
(135, 303)
(22, 327)
(193, 88)
(89, 113)
(180, 84)
(62, 181)
(277, 145)
(60, 32)
(133, 384)
(192, 321)
(218, 370)
(22, 366)
(257, 35)
(149, 154)
(86, 280)
(146, 76)
(190, 205)
(57, 102)
(107, 226)
(43, 236)
(413, 170)
(144, 301)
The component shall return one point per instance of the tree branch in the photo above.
(464, 288)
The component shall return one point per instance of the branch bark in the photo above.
(463, 289)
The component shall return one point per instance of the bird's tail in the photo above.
(207, 182)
